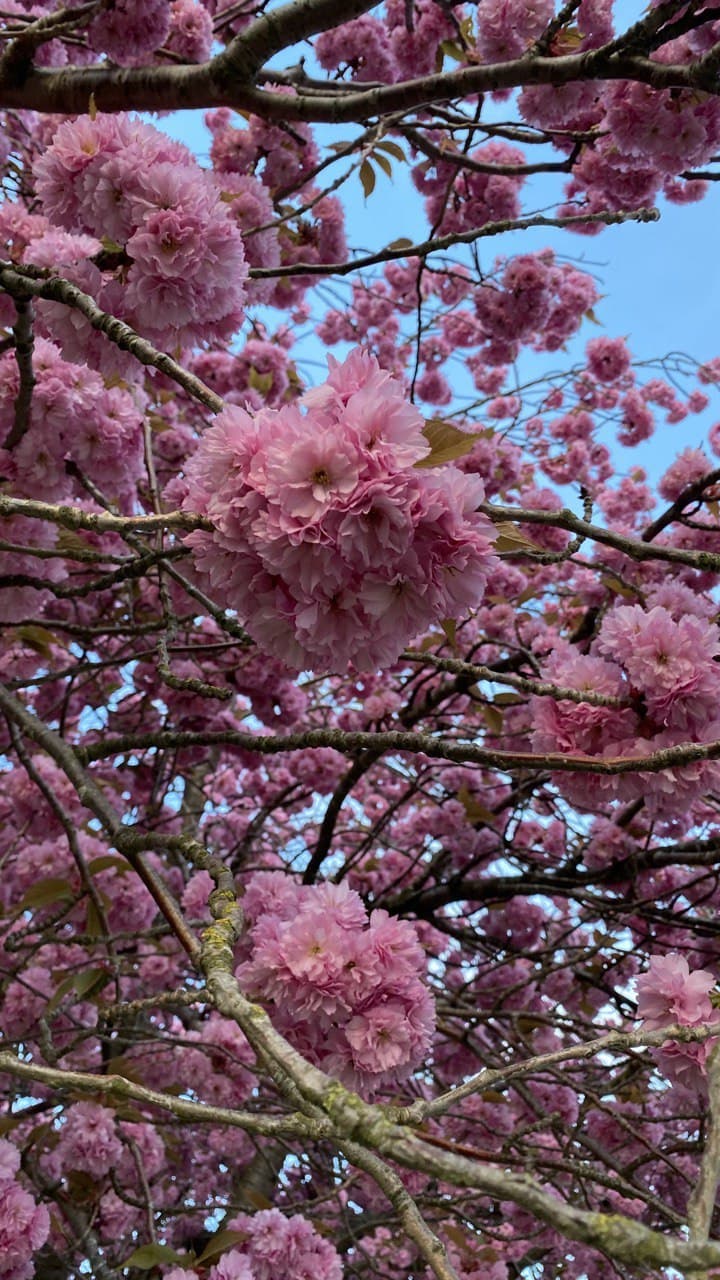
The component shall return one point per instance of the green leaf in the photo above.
(260, 382)
(8, 1123)
(93, 923)
(62, 989)
(452, 49)
(72, 543)
(618, 588)
(567, 40)
(259, 1200)
(528, 594)
(446, 443)
(90, 982)
(367, 178)
(458, 1237)
(107, 860)
(36, 638)
(221, 1241)
(85, 985)
(493, 718)
(149, 1255)
(128, 1068)
(53, 889)
(474, 811)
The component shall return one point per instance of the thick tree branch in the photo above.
(702, 1201)
(278, 29)
(98, 521)
(69, 90)
(394, 741)
(490, 1078)
(117, 1088)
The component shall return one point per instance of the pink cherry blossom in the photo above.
(669, 992)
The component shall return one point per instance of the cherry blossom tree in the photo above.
(359, 729)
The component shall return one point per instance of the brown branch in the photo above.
(23, 283)
(126, 839)
(278, 29)
(702, 1200)
(117, 1087)
(430, 1247)
(634, 548)
(394, 741)
(438, 243)
(475, 672)
(692, 493)
(68, 91)
(17, 57)
(489, 1078)
(444, 155)
(98, 521)
(24, 347)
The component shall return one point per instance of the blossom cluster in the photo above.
(327, 540)
(275, 1248)
(528, 300)
(656, 668)
(24, 1225)
(345, 989)
(254, 166)
(74, 417)
(141, 193)
(670, 993)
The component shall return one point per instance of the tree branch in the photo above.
(437, 243)
(23, 283)
(394, 741)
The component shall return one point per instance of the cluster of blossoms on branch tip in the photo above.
(24, 1225)
(272, 1247)
(328, 542)
(344, 988)
(671, 993)
(658, 668)
(144, 195)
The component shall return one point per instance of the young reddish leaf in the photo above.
(384, 163)
(367, 178)
(449, 627)
(446, 443)
(393, 147)
(510, 538)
